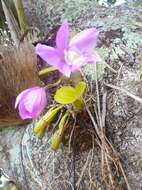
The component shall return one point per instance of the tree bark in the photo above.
(30, 160)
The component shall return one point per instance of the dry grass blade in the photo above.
(110, 160)
(83, 170)
(104, 109)
(100, 124)
(71, 135)
(125, 91)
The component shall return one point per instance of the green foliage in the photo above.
(20, 14)
(68, 94)
(79, 104)
(64, 95)
(44, 122)
(56, 139)
(79, 89)
(46, 71)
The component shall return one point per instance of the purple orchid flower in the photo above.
(31, 102)
(69, 56)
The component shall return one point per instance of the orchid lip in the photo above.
(71, 56)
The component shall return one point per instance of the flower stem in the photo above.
(46, 71)
(52, 85)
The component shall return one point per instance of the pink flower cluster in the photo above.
(67, 57)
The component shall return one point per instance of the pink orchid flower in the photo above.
(69, 56)
(31, 102)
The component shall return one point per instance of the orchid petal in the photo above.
(62, 37)
(49, 54)
(84, 41)
(35, 101)
(92, 58)
(65, 69)
(75, 69)
(24, 114)
(79, 62)
(22, 95)
(31, 102)
(42, 101)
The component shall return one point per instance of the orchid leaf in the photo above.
(68, 94)
(49, 116)
(40, 128)
(56, 139)
(80, 88)
(44, 122)
(63, 121)
(65, 95)
(79, 104)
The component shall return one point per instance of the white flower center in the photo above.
(71, 57)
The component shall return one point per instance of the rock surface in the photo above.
(29, 160)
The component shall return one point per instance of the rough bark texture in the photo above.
(29, 160)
